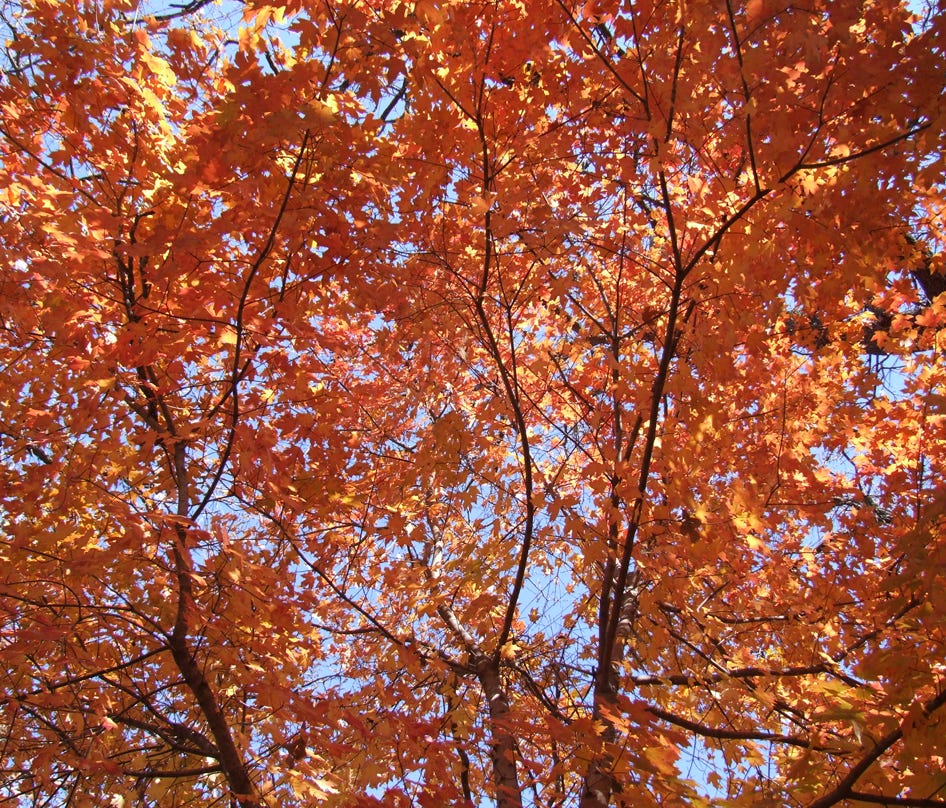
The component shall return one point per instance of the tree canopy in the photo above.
(471, 402)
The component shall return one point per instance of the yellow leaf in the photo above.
(662, 758)
(509, 650)
(160, 68)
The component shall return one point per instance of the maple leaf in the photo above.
(441, 403)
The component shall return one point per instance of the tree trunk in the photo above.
(231, 761)
(502, 742)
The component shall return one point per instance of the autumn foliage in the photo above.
(457, 402)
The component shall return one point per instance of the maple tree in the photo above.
(464, 402)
